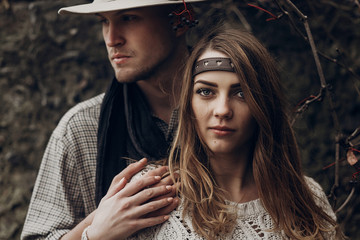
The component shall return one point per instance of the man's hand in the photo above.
(131, 206)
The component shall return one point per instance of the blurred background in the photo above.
(48, 63)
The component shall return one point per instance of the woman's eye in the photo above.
(204, 92)
(240, 94)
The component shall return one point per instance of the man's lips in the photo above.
(119, 58)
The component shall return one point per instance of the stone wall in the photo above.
(48, 63)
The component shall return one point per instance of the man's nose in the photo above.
(113, 35)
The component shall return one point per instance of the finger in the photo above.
(138, 185)
(116, 188)
(160, 171)
(149, 194)
(133, 168)
(171, 193)
(152, 206)
(165, 210)
(166, 181)
(130, 171)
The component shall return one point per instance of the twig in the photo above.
(348, 69)
(304, 18)
(306, 104)
(291, 20)
(324, 85)
(241, 18)
(354, 138)
(337, 159)
(336, 181)
(347, 200)
(273, 16)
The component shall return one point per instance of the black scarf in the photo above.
(126, 129)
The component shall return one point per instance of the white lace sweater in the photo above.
(253, 222)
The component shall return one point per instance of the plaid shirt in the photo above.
(64, 191)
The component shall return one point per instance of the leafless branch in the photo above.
(348, 69)
(306, 104)
(291, 20)
(241, 18)
(304, 18)
(288, 9)
(347, 200)
(324, 86)
(292, 23)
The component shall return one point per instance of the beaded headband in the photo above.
(213, 64)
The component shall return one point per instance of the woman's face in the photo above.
(223, 118)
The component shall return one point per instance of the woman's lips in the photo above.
(222, 130)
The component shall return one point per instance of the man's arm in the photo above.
(63, 195)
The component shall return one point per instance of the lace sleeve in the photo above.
(320, 197)
(322, 201)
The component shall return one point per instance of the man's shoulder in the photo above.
(89, 107)
(84, 115)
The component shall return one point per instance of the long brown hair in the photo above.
(276, 163)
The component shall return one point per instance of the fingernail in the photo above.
(157, 177)
(170, 199)
(168, 187)
(143, 160)
(166, 217)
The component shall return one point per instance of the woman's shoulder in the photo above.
(320, 197)
(315, 187)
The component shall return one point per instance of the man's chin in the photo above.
(127, 77)
(125, 80)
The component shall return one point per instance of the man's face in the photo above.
(138, 41)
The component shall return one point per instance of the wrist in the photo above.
(84, 235)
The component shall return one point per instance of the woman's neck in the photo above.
(234, 175)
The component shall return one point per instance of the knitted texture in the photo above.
(253, 221)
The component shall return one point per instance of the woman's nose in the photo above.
(223, 108)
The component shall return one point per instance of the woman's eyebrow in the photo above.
(206, 83)
(235, 85)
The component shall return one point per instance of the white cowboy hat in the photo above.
(112, 5)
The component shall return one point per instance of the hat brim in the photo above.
(99, 7)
